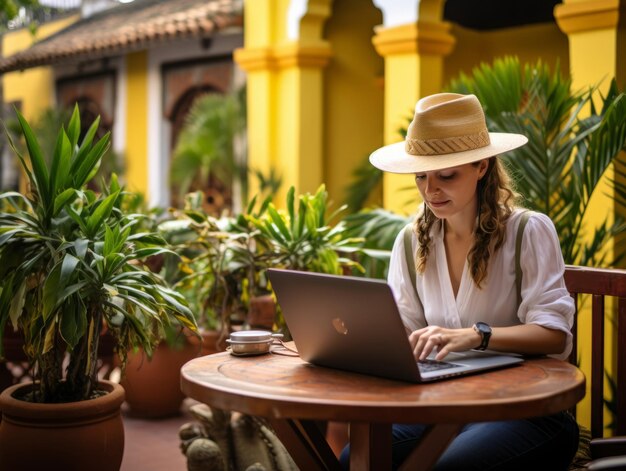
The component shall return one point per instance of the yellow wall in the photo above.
(137, 122)
(353, 96)
(34, 88)
(543, 41)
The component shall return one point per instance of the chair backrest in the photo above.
(601, 283)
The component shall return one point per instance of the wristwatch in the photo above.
(484, 331)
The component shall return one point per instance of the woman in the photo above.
(465, 292)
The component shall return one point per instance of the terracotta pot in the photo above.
(211, 342)
(153, 386)
(262, 312)
(70, 436)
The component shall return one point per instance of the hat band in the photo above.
(447, 145)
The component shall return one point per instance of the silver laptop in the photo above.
(353, 324)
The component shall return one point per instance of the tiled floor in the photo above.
(153, 444)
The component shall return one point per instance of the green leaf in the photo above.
(178, 305)
(77, 218)
(73, 324)
(290, 207)
(144, 307)
(59, 169)
(55, 283)
(73, 129)
(278, 222)
(81, 246)
(17, 304)
(110, 244)
(62, 199)
(100, 215)
(87, 165)
(40, 169)
(85, 146)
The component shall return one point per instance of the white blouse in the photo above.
(545, 300)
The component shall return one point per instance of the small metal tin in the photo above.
(251, 342)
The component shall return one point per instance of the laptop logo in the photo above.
(340, 326)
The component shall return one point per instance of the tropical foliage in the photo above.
(224, 260)
(573, 145)
(305, 236)
(211, 151)
(46, 128)
(211, 143)
(9, 9)
(71, 266)
(217, 268)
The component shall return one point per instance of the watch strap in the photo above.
(484, 335)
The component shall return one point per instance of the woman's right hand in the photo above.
(442, 340)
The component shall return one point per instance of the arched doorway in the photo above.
(218, 193)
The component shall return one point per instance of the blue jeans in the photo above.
(540, 443)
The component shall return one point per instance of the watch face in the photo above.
(483, 328)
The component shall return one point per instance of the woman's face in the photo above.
(451, 191)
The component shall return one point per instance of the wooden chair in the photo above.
(601, 283)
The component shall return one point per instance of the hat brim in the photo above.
(393, 158)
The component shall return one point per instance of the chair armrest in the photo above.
(606, 447)
(614, 463)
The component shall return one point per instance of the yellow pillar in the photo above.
(594, 41)
(592, 30)
(413, 55)
(137, 122)
(285, 92)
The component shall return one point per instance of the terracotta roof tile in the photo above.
(130, 26)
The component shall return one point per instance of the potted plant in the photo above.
(70, 267)
(152, 382)
(223, 261)
(215, 256)
(305, 236)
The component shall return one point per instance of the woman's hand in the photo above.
(424, 341)
(527, 339)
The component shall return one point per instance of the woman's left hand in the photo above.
(424, 341)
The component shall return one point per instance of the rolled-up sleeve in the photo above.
(545, 299)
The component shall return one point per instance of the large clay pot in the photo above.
(262, 313)
(212, 341)
(70, 436)
(153, 385)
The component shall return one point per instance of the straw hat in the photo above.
(448, 130)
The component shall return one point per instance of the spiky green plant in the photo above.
(70, 265)
(305, 236)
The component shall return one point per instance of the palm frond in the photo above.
(566, 157)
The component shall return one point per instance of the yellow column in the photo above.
(593, 32)
(413, 56)
(285, 92)
(137, 122)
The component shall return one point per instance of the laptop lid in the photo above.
(353, 324)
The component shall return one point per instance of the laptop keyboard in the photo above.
(434, 365)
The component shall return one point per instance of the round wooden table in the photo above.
(292, 394)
